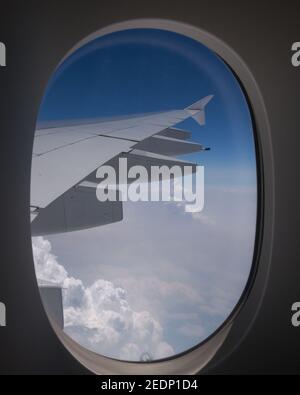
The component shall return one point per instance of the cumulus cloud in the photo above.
(46, 266)
(99, 317)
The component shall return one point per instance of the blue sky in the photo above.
(161, 280)
(147, 70)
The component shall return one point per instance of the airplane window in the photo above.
(143, 195)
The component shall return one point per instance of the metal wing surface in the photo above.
(66, 156)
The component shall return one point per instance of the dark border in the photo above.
(260, 147)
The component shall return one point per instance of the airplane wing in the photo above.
(65, 158)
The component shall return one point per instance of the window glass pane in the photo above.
(147, 280)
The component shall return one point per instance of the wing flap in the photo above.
(175, 134)
(168, 146)
(139, 158)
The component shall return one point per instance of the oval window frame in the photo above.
(237, 325)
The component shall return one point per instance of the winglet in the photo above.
(197, 110)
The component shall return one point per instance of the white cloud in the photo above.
(46, 265)
(187, 270)
(100, 317)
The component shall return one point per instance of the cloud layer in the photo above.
(99, 317)
(160, 281)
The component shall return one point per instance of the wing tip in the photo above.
(201, 104)
(197, 110)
